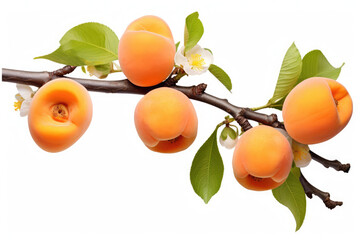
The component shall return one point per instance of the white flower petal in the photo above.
(24, 90)
(302, 156)
(180, 59)
(25, 108)
(208, 58)
(195, 50)
(189, 70)
(228, 143)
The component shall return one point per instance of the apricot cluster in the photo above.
(314, 111)
(165, 118)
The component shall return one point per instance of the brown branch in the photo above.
(335, 164)
(324, 196)
(124, 86)
(62, 71)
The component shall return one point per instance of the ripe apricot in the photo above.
(166, 120)
(262, 158)
(316, 110)
(147, 51)
(60, 113)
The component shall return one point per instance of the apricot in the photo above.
(60, 113)
(147, 51)
(316, 110)
(262, 158)
(166, 120)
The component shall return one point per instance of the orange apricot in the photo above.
(316, 110)
(166, 120)
(147, 51)
(59, 115)
(262, 158)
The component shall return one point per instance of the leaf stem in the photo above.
(261, 107)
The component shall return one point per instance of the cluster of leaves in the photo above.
(207, 168)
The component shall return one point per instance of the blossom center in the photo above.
(17, 104)
(196, 61)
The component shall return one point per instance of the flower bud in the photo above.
(228, 138)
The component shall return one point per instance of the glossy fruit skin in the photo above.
(147, 51)
(316, 110)
(49, 127)
(166, 120)
(262, 158)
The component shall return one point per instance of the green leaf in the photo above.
(221, 75)
(291, 194)
(193, 31)
(62, 56)
(86, 44)
(207, 169)
(315, 64)
(289, 74)
(177, 45)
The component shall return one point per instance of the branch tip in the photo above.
(335, 164)
(324, 196)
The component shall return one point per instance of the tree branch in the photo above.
(324, 196)
(337, 165)
(125, 86)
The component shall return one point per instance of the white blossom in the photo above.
(195, 61)
(23, 98)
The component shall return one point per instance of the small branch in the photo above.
(324, 196)
(335, 164)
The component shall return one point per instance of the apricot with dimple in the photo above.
(59, 115)
(166, 120)
(262, 158)
(316, 110)
(147, 51)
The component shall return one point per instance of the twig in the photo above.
(335, 164)
(324, 196)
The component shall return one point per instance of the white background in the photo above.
(110, 186)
